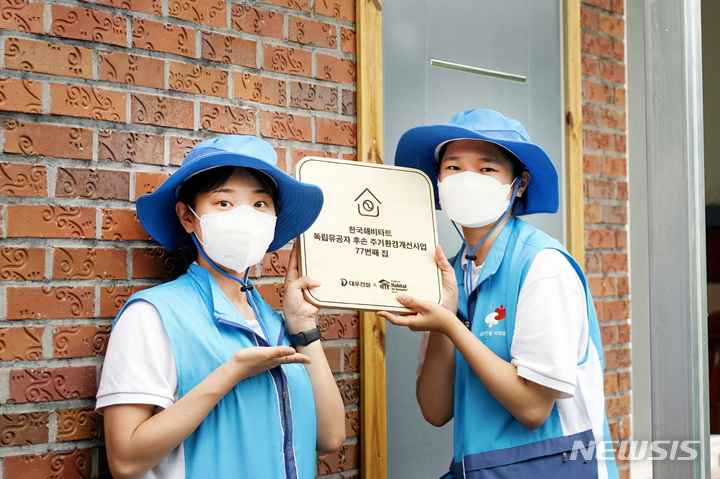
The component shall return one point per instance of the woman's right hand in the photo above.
(449, 282)
(255, 360)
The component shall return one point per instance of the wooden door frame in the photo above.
(373, 389)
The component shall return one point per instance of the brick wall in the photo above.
(99, 101)
(606, 197)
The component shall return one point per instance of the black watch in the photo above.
(306, 337)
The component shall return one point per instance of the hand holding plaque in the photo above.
(375, 236)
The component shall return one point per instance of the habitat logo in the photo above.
(637, 450)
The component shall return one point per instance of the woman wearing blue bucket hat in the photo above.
(513, 354)
(202, 378)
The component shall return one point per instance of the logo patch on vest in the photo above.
(497, 315)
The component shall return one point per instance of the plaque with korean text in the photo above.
(375, 236)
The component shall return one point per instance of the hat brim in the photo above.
(416, 149)
(299, 203)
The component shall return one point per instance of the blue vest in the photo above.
(486, 434)
(265, 427)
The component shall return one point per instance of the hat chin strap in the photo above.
(470, 256)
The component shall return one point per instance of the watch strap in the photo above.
(305, 337)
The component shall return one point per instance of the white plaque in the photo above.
(375, 236)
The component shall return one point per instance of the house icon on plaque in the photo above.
(368, 204)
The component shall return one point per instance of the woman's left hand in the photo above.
(299, 314)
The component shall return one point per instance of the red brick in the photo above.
(256, 21)
(148, 182)
(624, 333)
(619, 50)
(282, 158)
(618, 6)
(611, 71)
(228, 119)
(272, 293)
(286, 60)
(616, 309)
(342, 9)
(276, 263)
(297, 155)
(592, 213)
(21, 343)
(270, 91)
(92, 184)
(57, 465)
(179, 148)
(51, 384)
(119, 67)
(122, 225)
(130, 147)
(161, 111)
(596, 45)
(286, 127)
(20, 95)
(149, 263)
(621, 239)
(199, 80)
(625, 429)
(622, 191)
(618, 406)
(23, 15)
(624, 382)
(89, 263)
(598, 305)
(347, 40)
(602, 286)
(50, 302)
(47, 140)
(89, 25)
(619, 95)
(44, 57)
(614, 214)
(597, 92)
(336, 132)
(303, 5)
(614, 166)
(73, 100)
(621, 143)
(349, 156)
(206, 12)
(311, 32)
(588, 19)
(161, 37)
(614, 262)
(613, 26)
(351, 359)
(592, 264)
(339, 326)
(349, 100)
(228, 49)
(604, 4)
(78, 424)
(313, 97)
(146, 6)
(331, 68)
(591, 164)
(598, 140)
(345, 459)
(333, 355)
(600, 238)
(17, 179)
(352, 423)
(609, 334)
(590, 115)
(349, 390)
(610, 384)
(602, 189)
(613, 119)
(623, 286)
(112, 298)
(39, 221)
(24, 428)
(22, 264)
(80, 341)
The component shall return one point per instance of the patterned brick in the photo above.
(276, 263)
(590, 115)
(614, 214)
(17, 179)
(180, 147)
(228, 119)
(206, 12)
(151, 263)
(20, 344)
(130, 147)
(334, 358)
(597, 92)
(50, 303)
(57, 465)
(339, 325)
(618, 50)
(303, 5)
(98, 104)
(89, 263)
(345, 459)
(614, 262)
(286, 127)
(22, 264)
(80, 341)
(623, 286)
(597, 45)
(602, 286)
(51, 384)
(619, 95)
(610, 25)
(161, 111)
(122, 225)
(590, 66)
(616, 310)
(609, 334)
(352, 423)
(621, 239)
(311, 32)
(588, 18)
(78, 424)
(88, 25)
(22, 15)
(351, 359)
(618, 406)
(270, 91)
(600, 238)
(347, 40)
(272, 293)
(148, 182)
(199, 80)
(603, 189)
(349, 100)
(592, 213)
(335, 69)
(598, 140)
(112, 298)
(38, 221)
(229, 49)
(611, 384)
(612, 71)
(47, 140)
(614, 166)
(20, 95)
(24, 428)
(265, 23)
(336, 132)
(299, 154)
(145, 6)
(161, 37)
(342, 9)
(591, 164)
(313, 97)
(92, 184)
(287, 60)
(44, 57)
(119, 67)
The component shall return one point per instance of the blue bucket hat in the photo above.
(418, 148)
(300, 203)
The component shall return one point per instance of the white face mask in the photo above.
(236, 239)
(473, 200)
